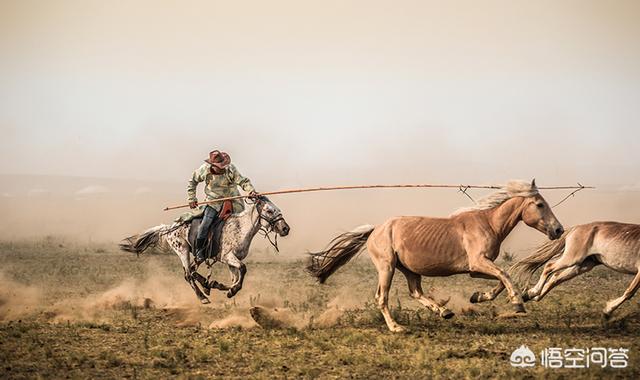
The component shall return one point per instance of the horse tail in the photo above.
(523, 270)
(149, 238)
(341, 249)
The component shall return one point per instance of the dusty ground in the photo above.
(69, 310)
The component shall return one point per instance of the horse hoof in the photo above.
(231, 293)
(475, 297)
(525, 296)
(447, 314)
(205, 301)
(397, 329)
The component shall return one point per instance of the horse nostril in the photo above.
(559, 231)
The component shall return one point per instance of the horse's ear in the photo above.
(533, 183)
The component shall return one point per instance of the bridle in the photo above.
(269, 228)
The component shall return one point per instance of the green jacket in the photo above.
(219, 186)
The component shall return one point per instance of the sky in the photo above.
(309, 93)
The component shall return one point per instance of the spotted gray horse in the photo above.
(237, 234)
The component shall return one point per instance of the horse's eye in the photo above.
(540, 205)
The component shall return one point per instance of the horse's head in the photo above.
(536, 213)
(271, 215)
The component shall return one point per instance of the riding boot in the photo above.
(210, 215)
(200, 256)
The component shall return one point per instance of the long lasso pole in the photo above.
(315, 189)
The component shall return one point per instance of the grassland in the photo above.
(78, 311)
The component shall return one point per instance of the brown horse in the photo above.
(466, 242)
(580, 249)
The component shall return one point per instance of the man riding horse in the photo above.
(188, 233)
(221, 180)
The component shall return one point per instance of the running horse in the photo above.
(583, 247)
(466, 242)
(237, 234)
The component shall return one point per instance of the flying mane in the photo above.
(513, 188)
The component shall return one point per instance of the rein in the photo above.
(266, 231)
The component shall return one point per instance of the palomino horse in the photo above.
(580, 249)
(466, 242)
(237, 234)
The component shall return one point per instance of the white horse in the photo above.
(237, 233)
(580, 249)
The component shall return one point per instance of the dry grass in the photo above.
(102, 313)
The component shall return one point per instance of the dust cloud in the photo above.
(160, 290)
(17, 299)
(235, 320)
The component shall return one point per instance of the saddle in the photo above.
(214, 235)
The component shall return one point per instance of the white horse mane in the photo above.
(513, 188)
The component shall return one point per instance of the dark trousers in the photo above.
(209, 217)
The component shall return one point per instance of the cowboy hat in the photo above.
(218, 159)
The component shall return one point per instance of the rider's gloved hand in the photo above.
(193, 204)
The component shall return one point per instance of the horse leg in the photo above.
(564, 262)
(560, 277)
(615, 303)
(192, 282)
(219, 286)
(483, 265)
(415, 290)
(487, 296)
(385, 262)
(190, 277)
(238, 275)
(238, 270)
(180, 246)
(385, 276)
(203, 282)
(208, 285)
(573, 254)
